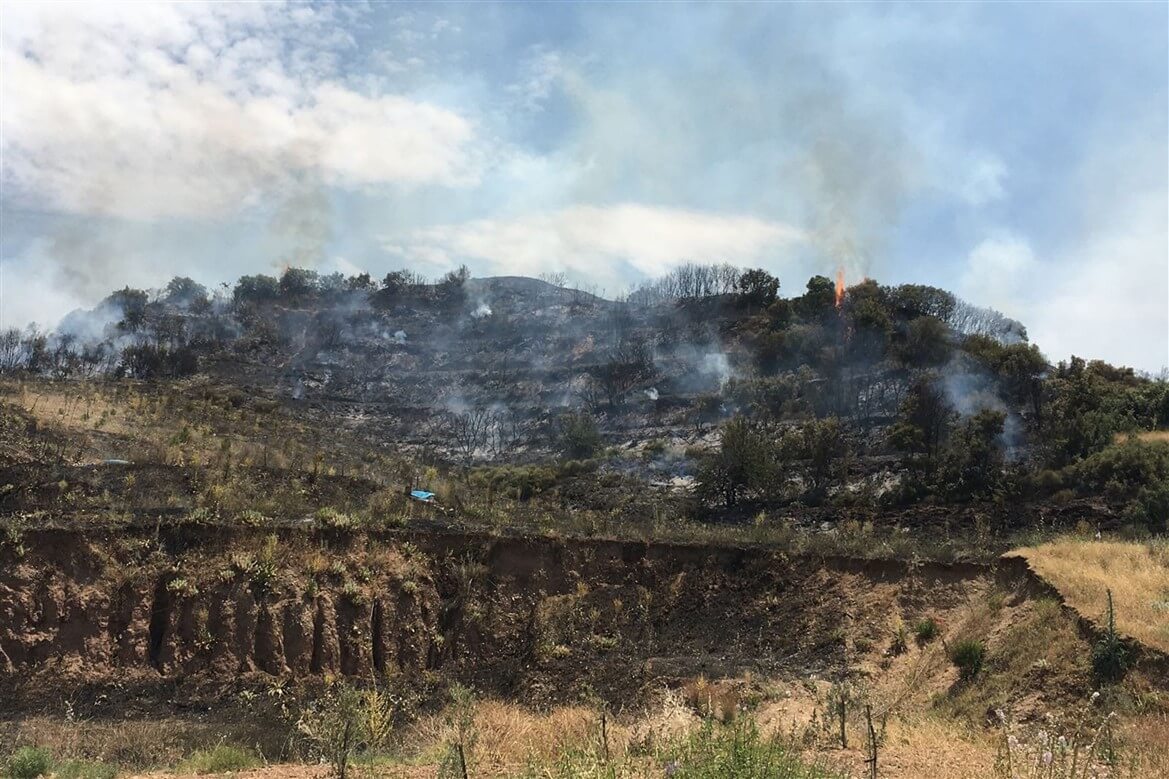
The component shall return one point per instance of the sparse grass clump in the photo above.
(967, 656)
(738, 750)
(28, 763)
(84, 769)
(1086, 749)
(900, 643)
(345, 721)
(220, 759)
(333, 519)
(712, 751)
(926, 630)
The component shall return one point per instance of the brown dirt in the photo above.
(540, 618)
(137, 625)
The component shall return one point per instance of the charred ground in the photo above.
(704, 396)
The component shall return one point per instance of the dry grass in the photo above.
(931, 748)
(508, 736)
(139, 743)
(1146, 740)
(1137, 574)
(1147, 435)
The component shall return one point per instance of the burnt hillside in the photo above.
(708, 386)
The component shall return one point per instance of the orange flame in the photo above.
(839, 287)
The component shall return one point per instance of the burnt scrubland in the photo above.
(704, 525)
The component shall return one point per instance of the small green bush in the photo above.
(926, 630)
(1109, 660)
(738, 750)
(220, 759)
(967, 655)
(579, 437)
(28, 763)
(333, 519)
(84, 769)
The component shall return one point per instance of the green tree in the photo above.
(927, 343)
(974, 455)
(182, 291)
(450, 288)
(579, 437)
(133, 305)
(743, 463)
(912, 301)
(299, 283)
(361, 282)
(819, 298)
(825, 446)
(1021, 368)
(925, 419)
(758, 287)
(256, 289)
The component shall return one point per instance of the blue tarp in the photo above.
(422, 495)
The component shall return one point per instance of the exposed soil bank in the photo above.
(536, 619)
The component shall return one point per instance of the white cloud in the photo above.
(190, 110)
(601, 244)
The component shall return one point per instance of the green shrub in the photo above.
(1150, 508)
(900, 639)
(967, 655)
(346, 720)
(732, 751)
(84, 769)
(926, 630)
(28, 763)
(519, 482)
(738, 750)
(331, 518)
(220, 759)
(579, 437)
(1124, 470)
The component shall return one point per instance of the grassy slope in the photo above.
(1138, 575)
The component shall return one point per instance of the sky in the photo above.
(1014, 153)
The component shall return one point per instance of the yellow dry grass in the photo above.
(1147, 435)
(931, 748)
(508, 736)
(1137, 573)
(73, 408)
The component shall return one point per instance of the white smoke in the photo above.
(716, 364)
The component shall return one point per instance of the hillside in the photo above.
(704, 395)
(705, 519)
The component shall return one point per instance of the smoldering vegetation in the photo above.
(707, 382)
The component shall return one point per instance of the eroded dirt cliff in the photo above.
(537, 618)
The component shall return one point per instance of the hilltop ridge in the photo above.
(704, 394)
